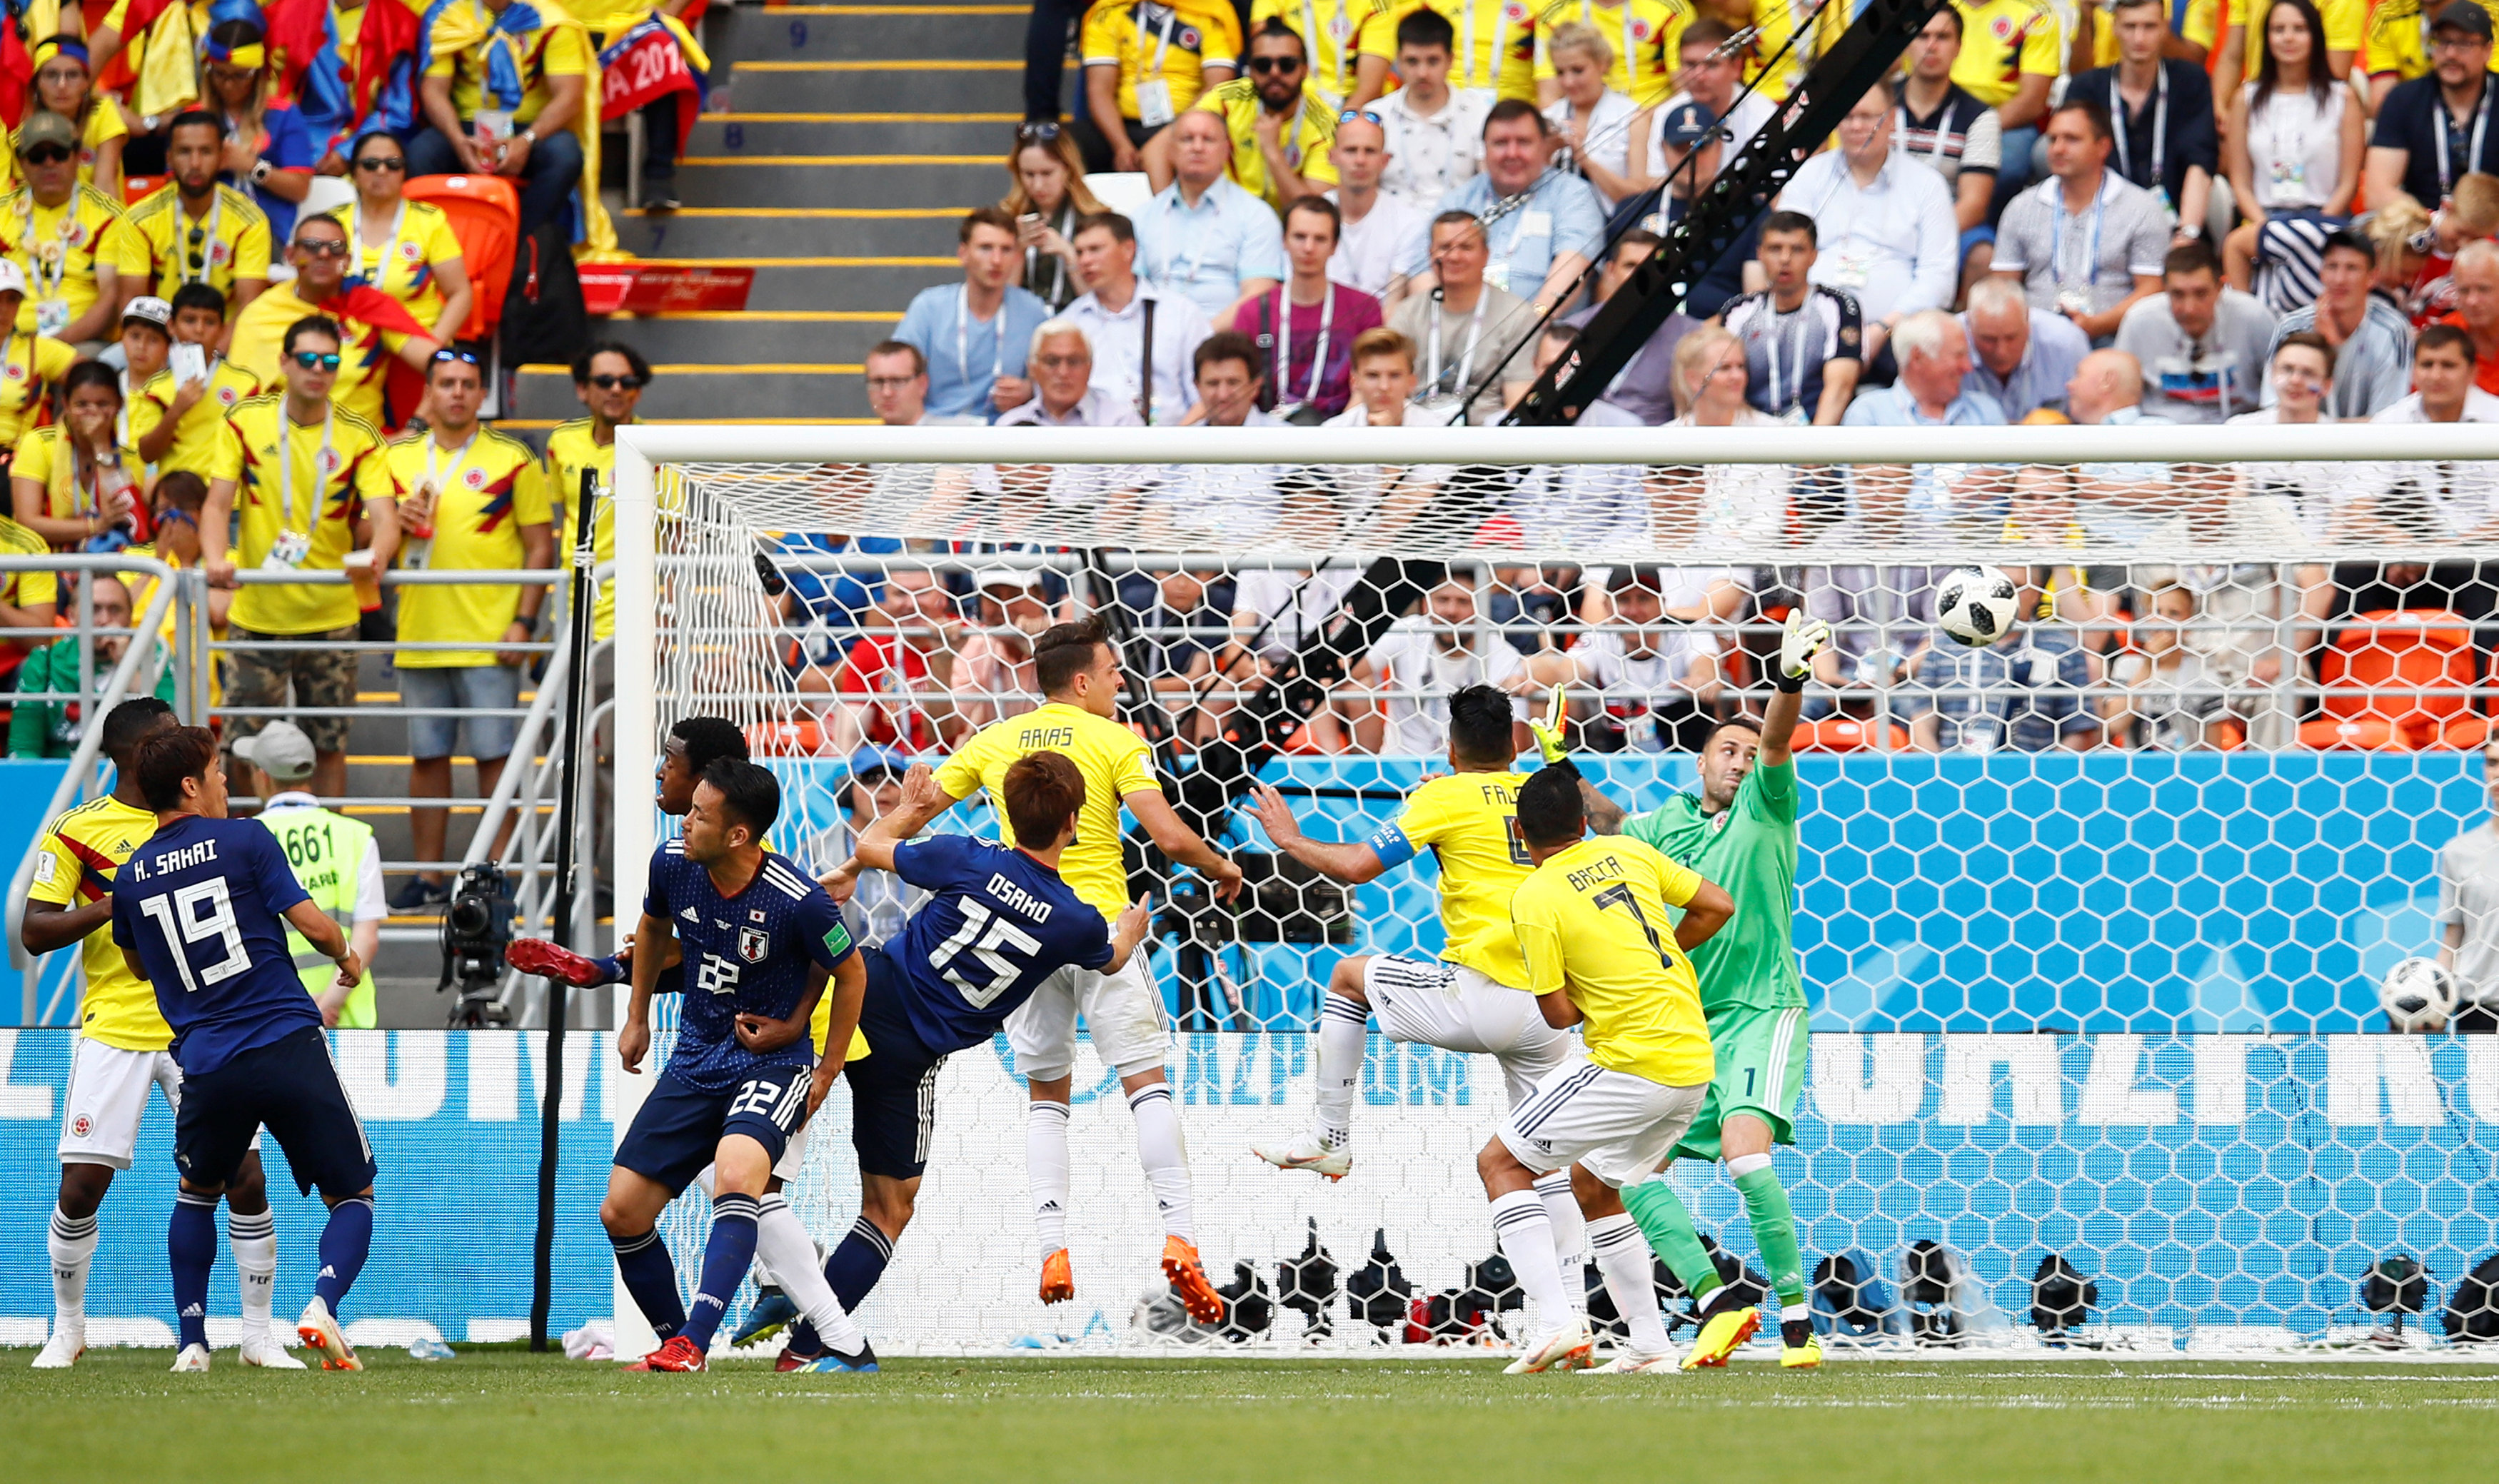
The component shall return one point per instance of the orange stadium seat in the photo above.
(485, 213)
(2414, 652)
(1850, 734)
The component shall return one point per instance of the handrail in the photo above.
(160, 599)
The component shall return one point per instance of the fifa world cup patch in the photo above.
(837, 941)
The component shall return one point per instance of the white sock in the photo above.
(1622, 1256)
(1165, 1156)
(1570, 1233)
(786, 1255)
(1526, 1238)
(1341, 1036)
(256, 1254)
(1045, 1163)
(71, 1245)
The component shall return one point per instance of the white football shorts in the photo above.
(1123, 1011)
(1618, 1125)
(1458, 1009)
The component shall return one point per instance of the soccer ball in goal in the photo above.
(2122, 787)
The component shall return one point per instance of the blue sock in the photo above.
(852, 1270)
(611, 970)
(727, 1253)
(345, 1241)
(191, 1251)
(652, 1279)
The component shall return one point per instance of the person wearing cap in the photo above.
(42, 727)
(884, 902)
(30, 365)
(147, 340)
(1711, 78)
(1692, 131)
(475, 498)
(67, 239)
(174, 422)
(193, 229)
(2434, 129)
(994, 669)
(335, 862)
(2395, 45)
(302, 475)
(65, 87)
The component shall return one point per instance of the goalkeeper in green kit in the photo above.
(1737, 828)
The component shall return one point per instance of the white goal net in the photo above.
(2092, 919)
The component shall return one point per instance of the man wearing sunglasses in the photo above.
(474, 498)
(379, 327)
(194, 230)
(1282, 127)
(608, 377)
(68, 238)
(305, 476)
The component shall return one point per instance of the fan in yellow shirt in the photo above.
(65, 85)
(1329, 29)
(176, 426)
(1646, 34)
(67, 239)
(379, 329)
(71, 481)
(2008, 47)
(1469, 999)
(1603, 951)
(608, 377)
(194, 230)
(1145, 61)
(1291, 158)
(30, 365)
(1077, 669)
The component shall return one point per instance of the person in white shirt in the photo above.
(1657, 672)
(2442, 500)
(2202, 344)
(1594, 122)
(1375, 224)
(1415, 666)
(1204, 237)
(1386, 496)
(1113, 317)
(1435, 133)
(2294, 155)
(1064, 395)
(1711, 77)
(1885, 225)
(2293, 498)
(1737, 506)
(1227, 501)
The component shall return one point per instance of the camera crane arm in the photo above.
(1721, 212)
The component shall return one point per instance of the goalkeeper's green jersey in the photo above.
(1750, 852)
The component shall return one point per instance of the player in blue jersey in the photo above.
(200, 911)
(998, 925)
(759, 941)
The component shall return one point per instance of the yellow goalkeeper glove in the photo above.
(1549, 741)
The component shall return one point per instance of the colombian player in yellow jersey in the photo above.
(124, 1047)
(1077, 668)
(1603, 951)
(1474, 997)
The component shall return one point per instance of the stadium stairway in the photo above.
(842, 143)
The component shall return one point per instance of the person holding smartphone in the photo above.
(175, 414)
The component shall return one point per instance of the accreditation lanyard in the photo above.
(207, 248)
(373, 275)
(1320, 349)
(1474, 337)
(1805, 327)
(963, 336)
(2057, 236)
(1337, 37)
(1630, 51)
(2473, 150)
(286, 465)
(1901, 130)
(1162, 48)
(51, 261)
(1500, 36)
(2159, 129)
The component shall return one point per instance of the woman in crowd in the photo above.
(74, 484)
(1046, 200)
(1594, 122)
(2293, 159)
(268, 151)
(403, 247)
(63, 85)
(1739, 505)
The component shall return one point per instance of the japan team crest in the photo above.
(752, 944)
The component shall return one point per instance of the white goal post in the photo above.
(2104, 992)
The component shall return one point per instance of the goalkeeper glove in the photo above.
(1799, 643)
(1550, 743)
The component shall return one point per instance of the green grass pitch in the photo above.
(497, 1413)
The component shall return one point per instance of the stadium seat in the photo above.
(2414, 651)
(802, 738)
(1850, 734)
(485, 213)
